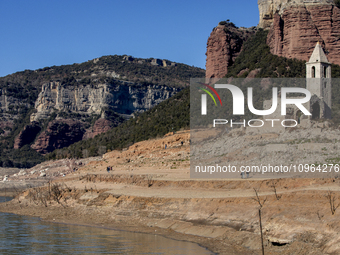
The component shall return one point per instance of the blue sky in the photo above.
(40, 33)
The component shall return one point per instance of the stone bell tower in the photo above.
(318, 82)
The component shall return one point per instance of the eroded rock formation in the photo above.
(59, 134)
(296, 31)
(110, 100)
(121, 97)
(223, 46)
(27, 135)
(268, 8)
(100, 126)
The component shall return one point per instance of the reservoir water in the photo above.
(28, 235)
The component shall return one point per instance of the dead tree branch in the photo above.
(275, 191)
(332, 201)
(258, 199)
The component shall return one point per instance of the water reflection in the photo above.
(28, 235)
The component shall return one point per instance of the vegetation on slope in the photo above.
(170, 115)
(173, 114)
(337, 3)
(24, 157)
(25, 87)
(21, 84)
(256, 55)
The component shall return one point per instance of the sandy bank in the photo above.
(219, 215)
(149, 190)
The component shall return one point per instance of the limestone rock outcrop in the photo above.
(27, 135)
(121, 97)
(224, 45)
(296, 31)
(59, 134)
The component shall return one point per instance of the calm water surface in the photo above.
(28, 235)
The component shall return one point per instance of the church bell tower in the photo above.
(318, 82)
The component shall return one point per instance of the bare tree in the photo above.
(38, 195)
(42, 196)
(260, 219)
(32, 193)
(258, 199)
(275, 191)
(261, 204)
(57, 193)
(332, 201)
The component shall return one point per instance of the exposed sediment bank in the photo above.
(149, 190)
(219, 215)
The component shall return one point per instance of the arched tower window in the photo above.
(313, 71)
(325, 71)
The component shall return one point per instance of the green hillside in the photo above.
(256, 55)
(170, 115)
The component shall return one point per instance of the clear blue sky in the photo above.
(39, 33)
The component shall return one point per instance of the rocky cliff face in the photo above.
(59, 134)
(9, 109)
(100, 126)
(27, 135)
(296, 31)
(119, 97)
(122, 97)
(107, 87)
(223, 46)
(268, 8)
(8, 102)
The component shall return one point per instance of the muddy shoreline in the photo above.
(71, 217)
(149, 191)
(221, 225)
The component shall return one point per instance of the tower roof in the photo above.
(318, 55)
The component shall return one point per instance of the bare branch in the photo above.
(332, 201)
(257, 198)
(275, 191)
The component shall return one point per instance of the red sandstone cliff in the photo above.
(27, 135)
(295, 33)
(59, 134)
(100, 126)
(223, 46)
